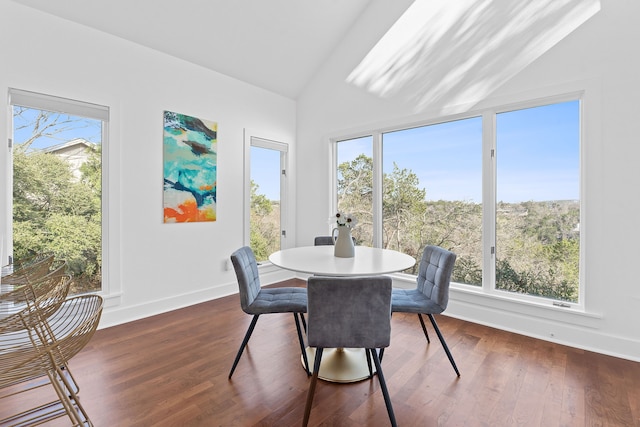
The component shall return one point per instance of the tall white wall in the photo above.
(601, 57)
(154, 267)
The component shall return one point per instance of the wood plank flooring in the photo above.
(171, 370)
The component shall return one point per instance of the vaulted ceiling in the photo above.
(274, 44)
(438, 52)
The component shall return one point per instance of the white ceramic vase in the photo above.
(344, 247)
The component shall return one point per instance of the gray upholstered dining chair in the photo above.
(349, 312)
(323, 241)
(257, 301)
(326, 241)
(431, 294)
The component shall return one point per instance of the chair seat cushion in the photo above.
(412, 301)
(279, 300)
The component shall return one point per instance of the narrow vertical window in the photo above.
(57, 147)
(355, 185)
(267, 180)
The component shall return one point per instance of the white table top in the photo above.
(320, 260)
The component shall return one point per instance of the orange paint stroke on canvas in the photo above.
(188, 212)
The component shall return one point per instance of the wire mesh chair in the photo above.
(13, 297)
(39, 341)
(29, 270)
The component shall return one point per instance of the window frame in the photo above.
(489, 182)
(282, 147)
(73, 107)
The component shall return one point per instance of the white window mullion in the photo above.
(378, 183)
(489, 200)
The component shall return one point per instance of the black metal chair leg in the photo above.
(444, 344)
(244, 343)
(424, 328)
(302, 346)
(304, 322)
(312, 386)
(368, 353)
(383, 386)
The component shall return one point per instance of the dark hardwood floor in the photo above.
(171, 370)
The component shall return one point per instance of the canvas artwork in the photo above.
(190, 168)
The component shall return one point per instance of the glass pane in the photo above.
(57, 191)
(538, 201)
(432, 193)
(265, 202)
(355, 185)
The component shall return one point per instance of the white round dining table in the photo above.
(342, 365)
(319, 260)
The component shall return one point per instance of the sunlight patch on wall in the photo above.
(443, 54)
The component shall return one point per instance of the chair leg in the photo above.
(444, 344)
(244, 343)
(424, 328)
(383, 386)
(68, 398)
(368, 353)
(302, 347)
(312, 386)
(304, 322)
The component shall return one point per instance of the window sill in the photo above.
(547, 311)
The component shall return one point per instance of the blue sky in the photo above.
(265, 171)
(89, 129)
(537, 155)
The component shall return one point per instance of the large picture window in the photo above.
(432, 193)
(538, 201)
(500, 188)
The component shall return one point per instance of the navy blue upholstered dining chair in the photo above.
(349, 312)
(256, 301)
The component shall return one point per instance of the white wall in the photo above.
(155, 266)
(600, 57)
(158, 267)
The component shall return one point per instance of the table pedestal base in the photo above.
(341, 365)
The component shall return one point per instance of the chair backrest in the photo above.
(31, 290)
(434, 274)
(246, 267)
(32, 308)
(72, 326)
(352, 312)
(29, 270)
(327, 241)
(34, 344)
(323, 241)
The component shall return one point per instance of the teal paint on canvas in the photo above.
(190, 168)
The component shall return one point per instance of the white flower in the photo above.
(346, 220)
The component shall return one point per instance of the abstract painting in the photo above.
(190, 168)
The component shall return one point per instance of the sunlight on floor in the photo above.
(448, 55)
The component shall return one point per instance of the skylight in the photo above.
(451, 54)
